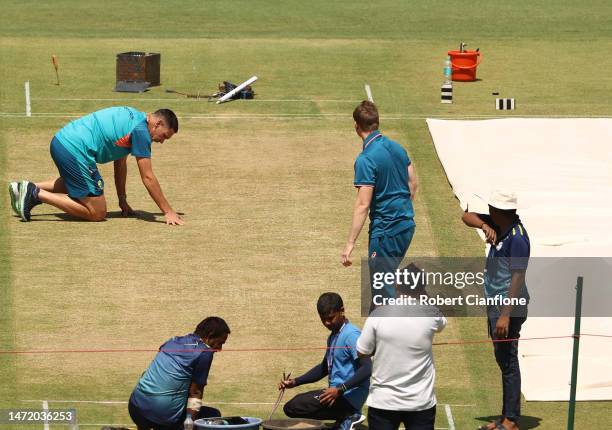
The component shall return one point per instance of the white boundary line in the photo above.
(204, 115)
(108, 425)
(103, 402)
(449, 416)
(320, 115)
(191, 99)
(45, 407)
(132, 426)
(123, 402)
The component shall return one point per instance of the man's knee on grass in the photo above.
(97, 216)
(97, 211)
(96, 208)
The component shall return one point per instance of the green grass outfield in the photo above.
(265, 185)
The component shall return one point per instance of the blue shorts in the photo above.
(80, 174)
(385, 254)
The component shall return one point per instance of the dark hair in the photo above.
(419, 287)
(212, 327)
(328, 303)
(169, 118)
(366, 116)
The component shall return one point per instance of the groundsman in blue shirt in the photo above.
(506, 267)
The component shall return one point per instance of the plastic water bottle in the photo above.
(448, 70)
(188, 423)
(446, 94)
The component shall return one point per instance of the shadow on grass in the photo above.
(526, 422)
(140, 215)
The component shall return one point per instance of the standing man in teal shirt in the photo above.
(386, 186)
(106, 135)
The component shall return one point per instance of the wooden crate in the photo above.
(138, 67)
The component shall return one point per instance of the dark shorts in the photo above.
(385, 254)
(142, 422)
(80, 174)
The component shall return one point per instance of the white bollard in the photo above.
(368, 91)
(27, 99)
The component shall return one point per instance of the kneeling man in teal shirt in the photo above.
(173, 385)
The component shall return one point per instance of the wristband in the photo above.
(194, 403)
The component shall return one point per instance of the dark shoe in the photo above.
(26, 199)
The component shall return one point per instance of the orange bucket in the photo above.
(464, 64)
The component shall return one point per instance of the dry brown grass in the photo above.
(267, 210)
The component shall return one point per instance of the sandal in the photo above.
(497, 423)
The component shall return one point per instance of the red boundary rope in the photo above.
(458, 342)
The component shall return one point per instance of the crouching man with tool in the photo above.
(173, 385)
(349, 375)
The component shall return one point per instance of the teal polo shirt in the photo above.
(342, 363)
(383, 164)
(107, 135)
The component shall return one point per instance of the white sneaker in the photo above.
(14, 193)
(350, 422)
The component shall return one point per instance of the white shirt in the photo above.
(403, 372)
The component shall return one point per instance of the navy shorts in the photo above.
(386, 254)
(79, 172)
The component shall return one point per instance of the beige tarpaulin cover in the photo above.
(561, 170)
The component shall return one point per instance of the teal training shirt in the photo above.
(108, 134)
(162, 391)
(342, 364)
(383, 164)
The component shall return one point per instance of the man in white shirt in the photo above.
(403, 374)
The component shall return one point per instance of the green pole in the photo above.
(578, 314)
